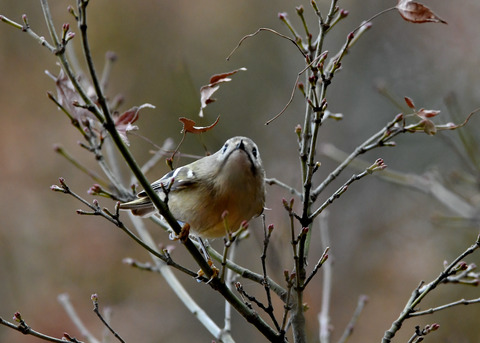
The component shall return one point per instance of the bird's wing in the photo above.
(177, 179)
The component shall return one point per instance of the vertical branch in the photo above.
(267, 232)
(314, 112)
(324, 315)
(229, 281)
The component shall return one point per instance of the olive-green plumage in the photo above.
(232, 179)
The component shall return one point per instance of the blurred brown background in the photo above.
(383, 240)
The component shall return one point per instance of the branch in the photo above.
(376, 140)
(177, 287)
(362, 300)
(424, 183)
(378, 165)
(267, 232)
(267, 30)
(72, 314)
(443, 307)
(27, 330)
(26, 28)
(99, 315)
(419, 335)
(422, 290)
(114, 219)
(274, 181)
(327, 271)
(248, 274)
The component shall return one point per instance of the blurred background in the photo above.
(384, 240)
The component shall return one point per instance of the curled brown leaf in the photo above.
(416, 12)
(207, 91)
(189, 126)
(124, 121)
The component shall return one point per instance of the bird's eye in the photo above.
(254, 152)
(224, 148)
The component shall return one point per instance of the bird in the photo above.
(228, 184)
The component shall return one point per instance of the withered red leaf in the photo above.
(124, 121)
(416, 12)
(221, 77)
(427, 113)
(409, 102)
(207, 91)
(189, 126)
(68, 96)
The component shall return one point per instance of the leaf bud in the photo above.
(298, 129)
(270, 228)
(17, 317)
(398, 117)
(282, 15)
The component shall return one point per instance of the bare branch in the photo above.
(443, 307)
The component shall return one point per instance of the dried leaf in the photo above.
(207, 91)
(124, 121)
(416, 12)
(427, 113)
(189, 126)
(409, 102)
(67, 97)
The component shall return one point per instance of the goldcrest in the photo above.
(199, 193)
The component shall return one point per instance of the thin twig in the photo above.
(267, 232)
(26, 28)
(27, 330)
(114, 218)
(362, 300)
(424, 183)
(422, 290)
(292, 94)
(377, 139)
(95, 177)
(99, 315)
(378, 165)
(268, 30)
(248, 274)
(320, 262)
(72, 314)
(273, 181)
(443, 307)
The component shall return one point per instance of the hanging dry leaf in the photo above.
(416, 12)
(207, 91)
(124, 121)
(189, 126)
(68, 97)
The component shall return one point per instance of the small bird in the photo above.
(199, 193)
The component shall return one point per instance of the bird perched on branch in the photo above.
(227, 183)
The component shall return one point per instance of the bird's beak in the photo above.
(241, 145)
